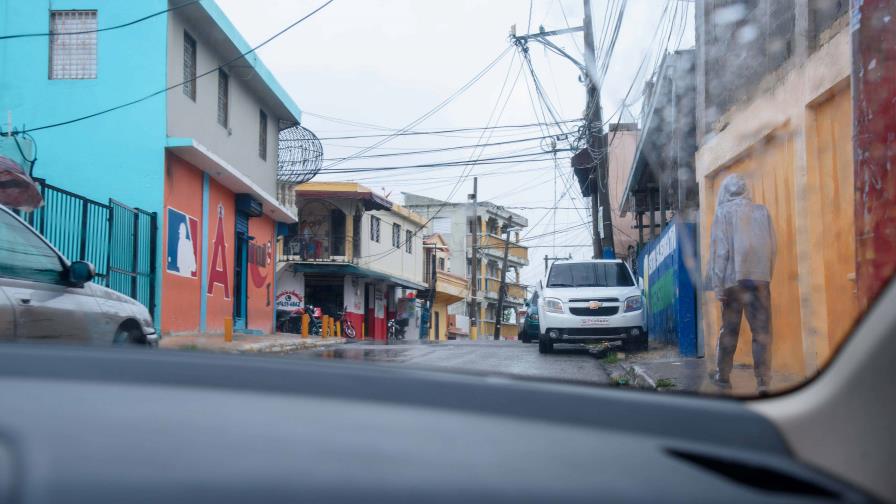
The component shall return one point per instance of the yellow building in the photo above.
(455, 223)
(450, 289)
(785, 124)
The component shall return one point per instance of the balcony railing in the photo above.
(494, 245)
(515, 293)
(316, 247)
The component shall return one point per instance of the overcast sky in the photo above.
(387, 62)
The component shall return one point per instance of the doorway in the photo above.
(239, 270)
(368, 311)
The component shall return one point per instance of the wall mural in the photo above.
(314, 231)
(217, 273)
(260, 256)
(183, 244)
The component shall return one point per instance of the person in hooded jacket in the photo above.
(742, 259)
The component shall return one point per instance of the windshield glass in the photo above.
(392, 181)
(590, 275)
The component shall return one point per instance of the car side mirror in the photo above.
(80, 272)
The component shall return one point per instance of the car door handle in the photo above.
(25, 301)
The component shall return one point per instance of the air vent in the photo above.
(757, 476)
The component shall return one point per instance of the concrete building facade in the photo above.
(773, 104)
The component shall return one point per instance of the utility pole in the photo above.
(427, 318)
(502, 288)
(600, 195)
(474, 263)
(601, 222)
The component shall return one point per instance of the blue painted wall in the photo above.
(120, 154)
(666, 265)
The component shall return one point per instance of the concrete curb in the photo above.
(274, 345)
(288, 346)
(622, 373)
(642, 378)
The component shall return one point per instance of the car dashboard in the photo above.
(132, 425)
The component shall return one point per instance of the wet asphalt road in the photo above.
(504, 357)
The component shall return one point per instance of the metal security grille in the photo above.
(396, 235)
(189, 66)
(375, 228)
(73, 44)
(118, 240)
(223, 96)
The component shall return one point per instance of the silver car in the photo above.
(44, 297)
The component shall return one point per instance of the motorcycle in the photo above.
(316, 324)
(348, 330)
(395, 329)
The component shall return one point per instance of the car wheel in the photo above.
(545, 346)
(128, 334)
(638, 344)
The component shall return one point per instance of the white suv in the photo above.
(593, 300)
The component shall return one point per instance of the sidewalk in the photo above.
(247, 343)
(663, 369)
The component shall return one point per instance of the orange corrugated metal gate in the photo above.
(768, 169)
(831, 189)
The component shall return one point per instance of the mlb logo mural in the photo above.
(182, 251)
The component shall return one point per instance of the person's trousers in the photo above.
(754, 299)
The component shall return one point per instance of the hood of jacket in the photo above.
(734, 188)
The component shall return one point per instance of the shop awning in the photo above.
(342, 269)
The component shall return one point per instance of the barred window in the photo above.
(396, 236)
(408, 241)
(73, 44)
(375, 228)
(223, 97)
(262, 135)
(189, 66)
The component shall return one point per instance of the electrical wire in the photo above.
(444, 149)
(460, 162)
(470, 166)
(429, 113)
(99, 30)
(440, 131)
(175, 86)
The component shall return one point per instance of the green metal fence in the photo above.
(120, 241)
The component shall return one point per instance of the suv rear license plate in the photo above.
(595, 322)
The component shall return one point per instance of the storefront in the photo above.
(369, 299)
(219, 255)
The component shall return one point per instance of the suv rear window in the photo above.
(590, 275)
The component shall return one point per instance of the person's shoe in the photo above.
(718, 381)
(762, 385)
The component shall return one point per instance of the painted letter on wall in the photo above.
(217, 273)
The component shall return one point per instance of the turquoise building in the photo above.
(65, 60)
